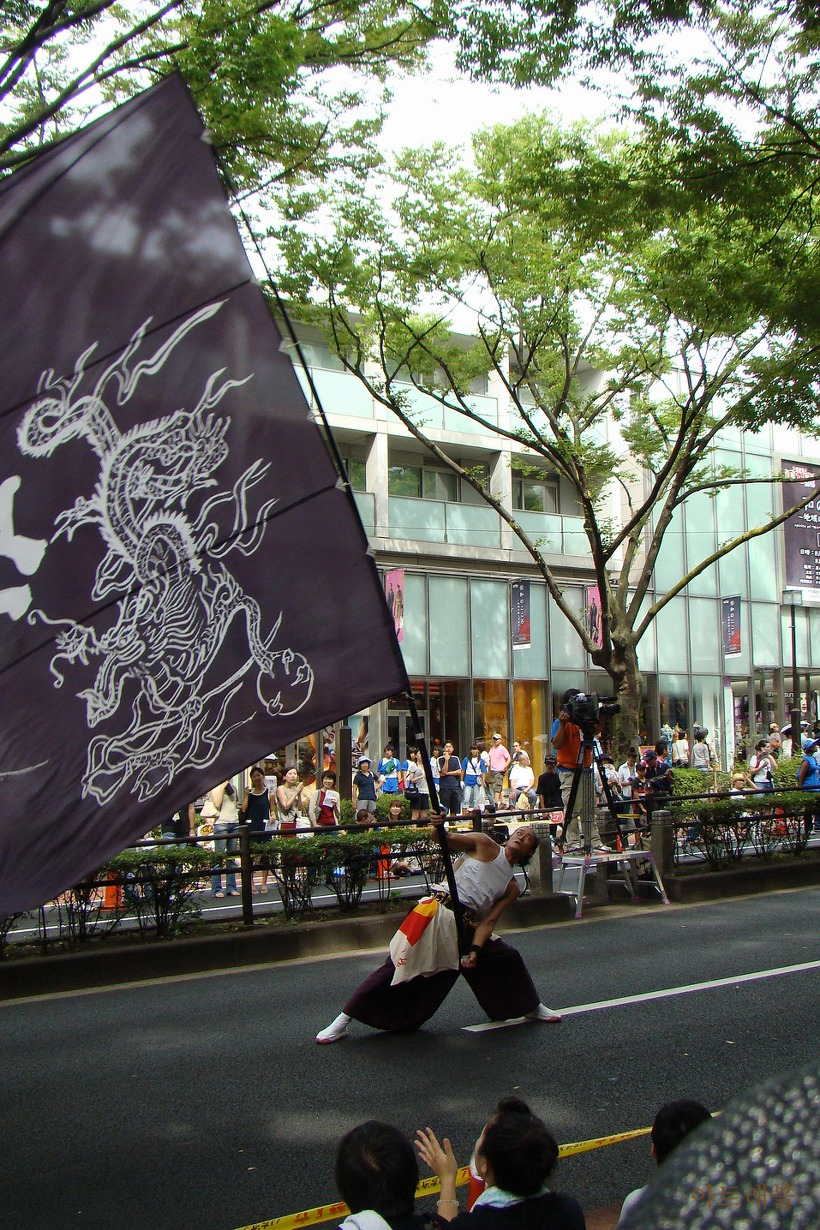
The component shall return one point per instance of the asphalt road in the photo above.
(204, 1103)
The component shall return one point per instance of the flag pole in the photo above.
(449, 873)
(441, 835)
(447, 859)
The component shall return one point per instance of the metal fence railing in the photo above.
(159, 886)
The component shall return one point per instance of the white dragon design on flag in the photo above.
(175, 600)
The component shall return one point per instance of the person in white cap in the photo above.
(364, 785)
(522, 781)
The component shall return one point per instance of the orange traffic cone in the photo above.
(112, 893)
(384, 864)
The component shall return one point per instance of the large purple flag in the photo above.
(183, 583)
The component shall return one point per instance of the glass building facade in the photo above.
(460, 560)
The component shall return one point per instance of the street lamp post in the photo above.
(794, 598)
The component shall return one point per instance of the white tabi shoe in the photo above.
(336, 1031)
(543, 1013)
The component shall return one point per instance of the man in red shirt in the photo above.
(566, 739)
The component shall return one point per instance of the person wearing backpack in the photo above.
(473, 779)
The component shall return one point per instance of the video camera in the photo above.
(585, 710)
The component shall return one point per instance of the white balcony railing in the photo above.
(434, 521)
(366, 504)
(480, 526)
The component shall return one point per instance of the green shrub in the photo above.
(693, 782)
(725, 828)
(159, 885)
(81, 912)
(296, 866)
(344, 861)
(786, 774)
(347, 810)
(6, 925)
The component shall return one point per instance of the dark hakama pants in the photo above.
(500, 982)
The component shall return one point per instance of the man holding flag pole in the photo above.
(448, 934)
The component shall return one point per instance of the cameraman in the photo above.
(566, 739)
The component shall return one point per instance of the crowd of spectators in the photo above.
(511, 1167)
(483, 780)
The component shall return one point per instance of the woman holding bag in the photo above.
(289, 803)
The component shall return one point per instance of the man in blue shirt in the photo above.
(808, 778)
(388, 770)
(449, 781)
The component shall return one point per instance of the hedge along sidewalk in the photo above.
(727, 826)
(244, 948)
(157, 883)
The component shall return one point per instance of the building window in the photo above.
(356, 473)
(404, 480)
(319, 355)
(439, 485)
(534, 494)
(424, 482)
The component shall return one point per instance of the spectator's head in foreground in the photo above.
(515, 1151)
(764, 1143)
(376, 1168)
(673, 1123)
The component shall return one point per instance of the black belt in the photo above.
(446, 900)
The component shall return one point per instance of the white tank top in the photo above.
(481, 884)
(229, 808)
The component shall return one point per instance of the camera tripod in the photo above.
(583, 782)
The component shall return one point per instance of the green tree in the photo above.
(737, 120)
(281, 83)
(291, 89)
(627, 337)
(728, 92)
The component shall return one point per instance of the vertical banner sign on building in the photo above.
(802, 531)
(730, 610)
(394, 589)
(157, 465)
(594, 622)
(520, 614)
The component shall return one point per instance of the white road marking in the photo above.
(650, 995)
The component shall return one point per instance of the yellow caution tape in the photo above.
(427, 1187)
(586, 1146)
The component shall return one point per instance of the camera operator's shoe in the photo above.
(543, 1013)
